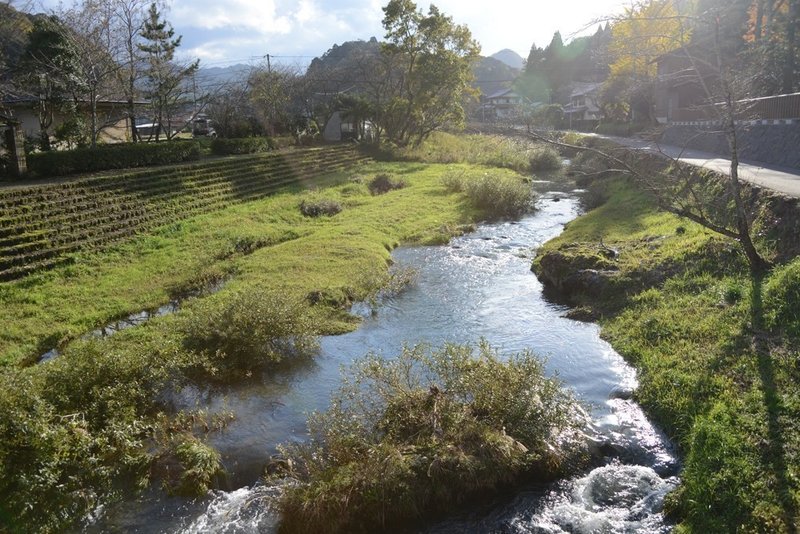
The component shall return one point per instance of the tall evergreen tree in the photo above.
(165, 78)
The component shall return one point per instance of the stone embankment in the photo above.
(40, 226)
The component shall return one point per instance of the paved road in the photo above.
(782, 180)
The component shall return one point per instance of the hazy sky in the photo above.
(224, 32)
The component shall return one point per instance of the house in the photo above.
(680, 92)
(12, 146)
(340, 129)
(583, 110)
(503, 104)
(112, 116)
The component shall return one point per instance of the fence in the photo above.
(767, 108)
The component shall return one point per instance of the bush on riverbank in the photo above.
(248, 331)
(80, 430)
(497, 195)
(383, 183)
(424, 432)
(317, 207)
(688, 317)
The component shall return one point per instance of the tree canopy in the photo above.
(429, 59)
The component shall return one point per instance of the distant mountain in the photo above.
(510, 58)
(492, 75)
(215, 77)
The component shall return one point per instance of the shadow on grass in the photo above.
(775, 453)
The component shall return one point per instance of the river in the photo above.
(478, 286)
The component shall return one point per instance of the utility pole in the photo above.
(270, 125)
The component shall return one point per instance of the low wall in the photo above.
(771, 144)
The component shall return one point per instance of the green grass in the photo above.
(717, 360)
(78, 431)
(517, 153)
(341, 257)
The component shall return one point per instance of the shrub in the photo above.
(383, 183)
(782, 299)
(453, 180)
(544, 158)
(423, 432)
(318, 207)
(248, 331)
(243, 145)
(118, 156)
(72, 429)
(498, 195)
(188, 467)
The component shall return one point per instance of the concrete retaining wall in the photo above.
(775, 144)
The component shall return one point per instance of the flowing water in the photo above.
(480, 285)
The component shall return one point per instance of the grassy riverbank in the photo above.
(95, 422)
(716, 351)
(266, 243)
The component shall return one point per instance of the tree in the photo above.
(14, 29)
(278, 97)
(356, 109)
(427, 63)
(710, 63)
(232, 112)
(165, 77)
(646, 31)
(92, 31)
(46, 71)
(129, 19)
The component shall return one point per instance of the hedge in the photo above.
(242, 145)
(117, 156)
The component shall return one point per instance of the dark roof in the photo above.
(32, 99)
(502, 92)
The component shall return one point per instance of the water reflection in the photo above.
(480, 285)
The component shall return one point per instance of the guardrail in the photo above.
(778, 107)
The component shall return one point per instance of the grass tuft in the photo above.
(423, 432)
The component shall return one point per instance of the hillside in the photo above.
(492, 75)
(510, 58)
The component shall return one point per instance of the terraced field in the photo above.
(41, 225)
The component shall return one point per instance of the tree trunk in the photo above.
(93, 103)
(759, 21)
(758, 265)
(790, 60)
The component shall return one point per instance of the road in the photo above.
(782, 180)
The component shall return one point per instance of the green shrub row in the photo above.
(243, 145)
(118, 156)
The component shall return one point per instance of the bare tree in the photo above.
(129, 19)
(90, 29)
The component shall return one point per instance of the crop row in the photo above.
(112, 215)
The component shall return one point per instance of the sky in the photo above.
(292, 32)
